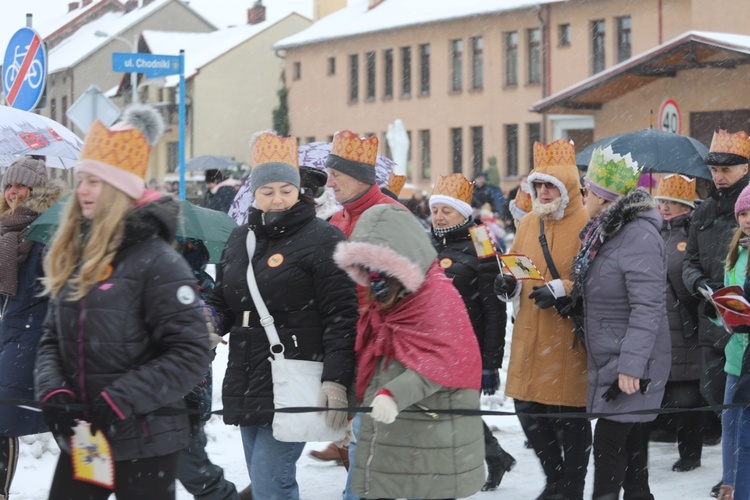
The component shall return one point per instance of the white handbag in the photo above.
(296, 383)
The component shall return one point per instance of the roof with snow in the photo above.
(84, 42)
(691, 50)
(202, 48)
(359, 19)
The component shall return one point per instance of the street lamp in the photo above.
(134, 49)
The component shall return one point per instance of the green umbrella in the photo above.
(211, 226)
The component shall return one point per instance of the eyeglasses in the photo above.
(548, 185)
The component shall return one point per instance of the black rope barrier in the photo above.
(432, 412)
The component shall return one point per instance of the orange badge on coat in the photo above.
(446, 263)
(681, 246)
(275, 260)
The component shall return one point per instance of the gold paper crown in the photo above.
(127, 150)
(396, 183)
(677, 187)
(347, 145)
(269, 148)
(455, 186)
(523, 200)
(560, 153)
(736, 144)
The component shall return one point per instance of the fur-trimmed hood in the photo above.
(635, 204)
(567, 180)
(40, 198)
(389, 239)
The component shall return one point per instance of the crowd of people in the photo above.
(112, 326)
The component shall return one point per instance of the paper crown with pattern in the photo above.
(396, 183)
(454, 186)
(676, 187)
(560, 153)
(612, 172)
(270, 148)
(347, 145)
(729, 149)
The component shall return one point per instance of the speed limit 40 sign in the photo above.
(670, 119)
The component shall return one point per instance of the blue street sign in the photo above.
(24, 69)
(150, 65)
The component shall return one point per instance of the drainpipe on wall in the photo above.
(661, 22)
(546, 63)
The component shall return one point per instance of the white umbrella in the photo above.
(23, 133)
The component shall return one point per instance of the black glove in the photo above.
(505, 284)
(543, 296)
(58, 415)
(490, 382)
(614, 390)
(102, 415)
(709, 310)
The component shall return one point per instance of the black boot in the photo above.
(499, 462)
(546, 494)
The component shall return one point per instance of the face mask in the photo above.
(379, 285)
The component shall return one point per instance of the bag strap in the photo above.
(266, 320)
(545, 249)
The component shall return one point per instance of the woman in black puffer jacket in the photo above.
(313, 303)
(124, 335)
(473, 278)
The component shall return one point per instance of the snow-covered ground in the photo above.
(325, 481)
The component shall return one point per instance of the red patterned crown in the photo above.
(127, 149)
(347, 145)
(455, 186)
(560, 153)
(269, 148)
(676, 187)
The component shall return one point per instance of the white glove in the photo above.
(384, 409)
(557, 287)
(213, 338)
(348, 438)
(333, 395)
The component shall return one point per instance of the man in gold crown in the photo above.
(351, 169)
(351, 175)
(707, 246)
(547, 371)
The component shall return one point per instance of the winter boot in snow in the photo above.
(499, 462)
(546, 494)
(329, 454)
(247, 493)
(726, 493)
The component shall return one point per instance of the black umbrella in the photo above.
(207, 162)
(656, 151)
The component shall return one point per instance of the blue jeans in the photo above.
(730, 422)
(742, 482)
(271, 464)
(348, 495)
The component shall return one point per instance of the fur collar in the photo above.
(40, 199)
(625, 210)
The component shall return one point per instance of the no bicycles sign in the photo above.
(24, 69)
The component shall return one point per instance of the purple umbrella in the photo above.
(314, 155)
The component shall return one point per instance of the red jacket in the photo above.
(347, 218)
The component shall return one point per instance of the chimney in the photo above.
(146, 2)
(85, 3)
(72, 6)
(257, 13)
(131, 5)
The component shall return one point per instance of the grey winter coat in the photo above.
(624, 303)
(682, 306)
(708, 244)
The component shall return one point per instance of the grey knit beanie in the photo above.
(26, 171)
(274, 171)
